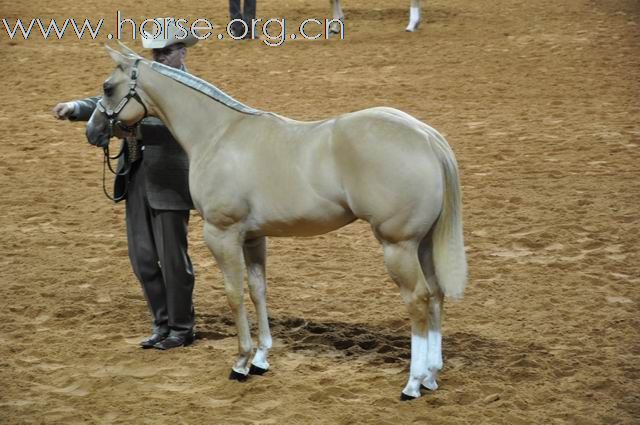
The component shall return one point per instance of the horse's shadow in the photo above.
(373, 344)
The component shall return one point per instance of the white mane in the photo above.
(204, 87)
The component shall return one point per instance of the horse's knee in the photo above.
(245, 349)
(234, 298)
(258, 293)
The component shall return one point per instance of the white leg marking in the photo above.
(241, 370)
(418, 370)
(260, 359)
(434, 359)
(434, 337)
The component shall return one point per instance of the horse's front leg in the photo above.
(255, 255)
(226, 246)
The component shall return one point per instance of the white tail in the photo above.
(448, 242)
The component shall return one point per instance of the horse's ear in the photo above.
(117, 57)
(127, 51)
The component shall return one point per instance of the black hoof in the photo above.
(255, 370)
(405, 397)
(235, 376)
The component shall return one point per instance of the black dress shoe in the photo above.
(152, 340)
(174, 341)
(237, 31)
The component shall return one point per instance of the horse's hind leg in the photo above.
(255, 259)
(401, 259)
(414, 16)
(434, 335)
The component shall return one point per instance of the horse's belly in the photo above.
(300, 225)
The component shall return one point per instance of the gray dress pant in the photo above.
(249, 12)
(157, 241)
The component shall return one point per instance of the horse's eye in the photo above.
(108, 89)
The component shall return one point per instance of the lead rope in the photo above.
(107, 163)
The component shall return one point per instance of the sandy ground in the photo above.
(540, 101)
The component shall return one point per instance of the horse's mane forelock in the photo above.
(203, 87)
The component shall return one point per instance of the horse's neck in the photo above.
(193, 118)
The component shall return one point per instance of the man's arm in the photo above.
(82, 109)
(77, 110)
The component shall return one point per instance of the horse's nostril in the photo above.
(108, 89)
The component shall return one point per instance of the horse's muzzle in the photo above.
(97, 135)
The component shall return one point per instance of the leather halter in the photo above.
(112, 115)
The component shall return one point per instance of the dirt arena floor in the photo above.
(539, 99)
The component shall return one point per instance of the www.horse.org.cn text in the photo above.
(273, 32)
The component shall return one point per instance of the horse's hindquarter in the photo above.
(389, 169)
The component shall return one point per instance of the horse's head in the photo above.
(121, 107)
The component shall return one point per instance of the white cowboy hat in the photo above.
(167, 33)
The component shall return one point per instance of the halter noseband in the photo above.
(112, 115)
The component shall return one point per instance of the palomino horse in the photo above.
(255, 174)
(338, 15)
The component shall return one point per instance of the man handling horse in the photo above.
(153, 178)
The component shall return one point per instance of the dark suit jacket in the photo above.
(166, 163)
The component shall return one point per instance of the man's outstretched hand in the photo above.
(62, 111)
